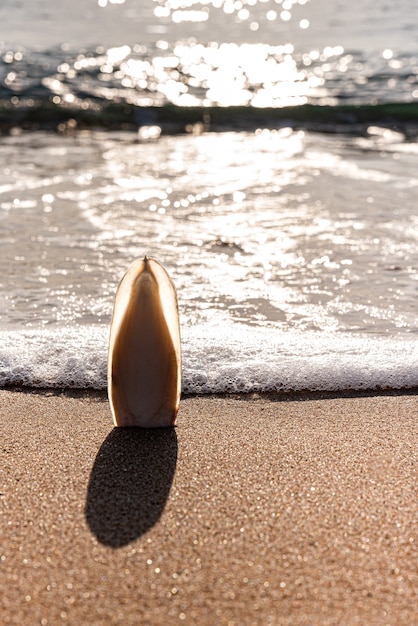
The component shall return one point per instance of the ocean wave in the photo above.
(189, 87)
(219, 360)
(170, 119)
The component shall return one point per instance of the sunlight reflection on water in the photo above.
(273, 227)
(217, 74)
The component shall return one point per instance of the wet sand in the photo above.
(251, 511)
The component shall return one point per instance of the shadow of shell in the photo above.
(130, 483)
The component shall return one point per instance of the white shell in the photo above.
(144, 362)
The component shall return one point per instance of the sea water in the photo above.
(264, 152)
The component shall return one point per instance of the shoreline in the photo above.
(273, 396)
(249, 511)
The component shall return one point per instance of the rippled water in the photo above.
(299, 229)
(358, 24)
(82, 56)
(226, 74)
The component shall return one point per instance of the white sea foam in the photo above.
(236, 359)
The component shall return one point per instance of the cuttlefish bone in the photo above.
(144, 361)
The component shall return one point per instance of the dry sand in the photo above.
(250, 511)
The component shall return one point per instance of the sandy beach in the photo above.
(253, 510)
